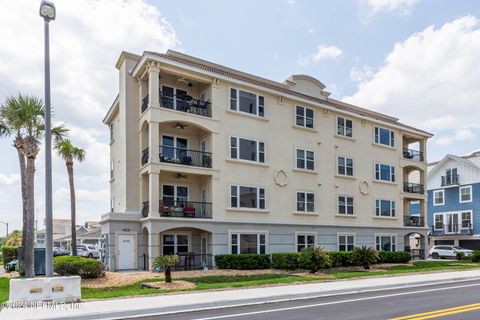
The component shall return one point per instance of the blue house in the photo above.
(454, 201)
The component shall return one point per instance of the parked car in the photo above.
(443, 251)
(58, 251)
(88, 251)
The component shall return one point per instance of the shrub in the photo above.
(364, 256)
(242, 261)
(340, 258)
(78, 266)
(314, 258)
(166, 262)
(394, 257)
(285, 261)
(475, 257)
(9, 253)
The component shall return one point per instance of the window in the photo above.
(466, 220)
(465, 194)
(346, 241)
(247, 102)
(385, 208)
(438, 197)
(344, 127)
(345, 205)
(384, 172)
(247, 197)
(386, 242)
(305, 240)
(305, 159)
(345, 166)
(439, 222)
(304, 117)
(173, 195)
(385, 137)
(245, 149)
(305, 201)
(248, 243)
(174, 243)
(111, 169)
(173, 149)
(111, 132)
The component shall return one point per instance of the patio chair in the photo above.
(165, 211)
(189, 210)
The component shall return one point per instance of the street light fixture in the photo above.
(47, 12)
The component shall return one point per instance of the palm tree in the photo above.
(69, 152)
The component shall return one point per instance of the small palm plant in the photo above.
(364, 256)
(166, 262)
(314, 259)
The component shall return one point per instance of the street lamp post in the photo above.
(6, 224)
(47, 12)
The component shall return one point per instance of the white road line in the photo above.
(335, 302)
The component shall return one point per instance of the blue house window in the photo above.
(384, 136)
(384, 172)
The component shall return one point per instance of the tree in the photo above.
(314, 259)
(364, 256)
(68, 152)
(166, 262)
(14, 238)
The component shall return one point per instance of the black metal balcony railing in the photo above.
(145, 207)
(185, 157)
(185, 209)
(413, 188)
(184, 103)
(145, 155)
(412, 154)
(449, 180)
(452, 229)
(413, 221)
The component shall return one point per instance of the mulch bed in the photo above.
(175, 285)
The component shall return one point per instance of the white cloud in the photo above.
(291, 3)
(86, 40)
(458, 135)
(324, 52)
(402, 6)
(430, 80)
(9, 179)
(311, 30)
(362, 74)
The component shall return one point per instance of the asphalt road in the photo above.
(458, 300)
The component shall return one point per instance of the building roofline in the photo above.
(126, 55)
(440, 163)
(111, 111)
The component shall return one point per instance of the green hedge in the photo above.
(243, 261)
(78, 266)
(394, 257)
(341, 258)
(285, 260)
(475, 256)
(9, 253)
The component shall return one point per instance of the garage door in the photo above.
(470, 244)
(444, 242)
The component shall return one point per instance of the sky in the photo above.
(417, 60)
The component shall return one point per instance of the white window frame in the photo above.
(345, 158)
(434, 192)
(258, 142)
(346, 234)
(391, 235)
(302, 233)
(305, 159)
(258, 106)
(174, 98)
(248, 232)
(460, 218)
(392, 173)
(237, 186)
(393, 208)
(346, 196)
(391, 135)
(343, 132)
(435, 219)
(306, 202)
(175, 241)
(175, 191)
(460, 194)
(305, 117)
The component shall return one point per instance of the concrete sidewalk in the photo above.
(121, 308)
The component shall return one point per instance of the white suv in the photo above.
(443, 251)
(87, 251)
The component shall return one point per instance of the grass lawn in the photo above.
(4, 285)
(222, 282)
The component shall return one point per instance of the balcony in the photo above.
(413, 188)
(145, 206)
(412, 154)
(185, 157)
(452, 229)
(413, 221)
(183, 103)
(450, 180)
(185, 209)
(145, 156)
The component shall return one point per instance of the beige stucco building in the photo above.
(208, 160)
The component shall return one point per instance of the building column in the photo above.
(423, 149)
(154, 142)
(153, 86)
(153, 248)
(154, 194)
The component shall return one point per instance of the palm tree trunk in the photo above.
(29, 238)
(72, 208)
(23, 182)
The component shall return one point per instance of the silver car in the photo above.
(88, 251)
(445, 251)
